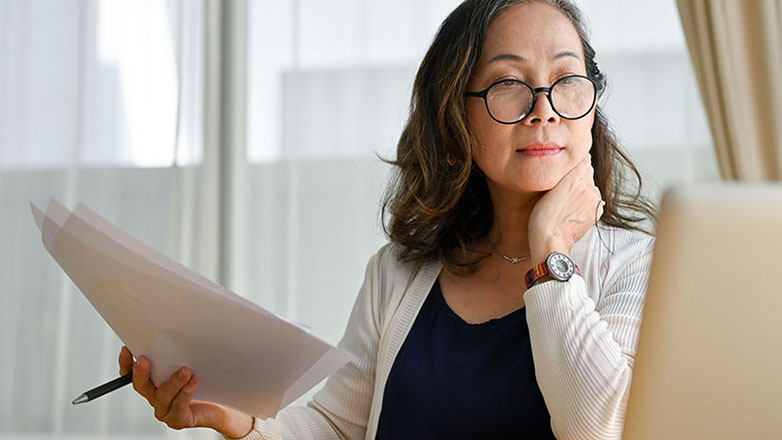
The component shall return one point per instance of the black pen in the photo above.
(104, 389)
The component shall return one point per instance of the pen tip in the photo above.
(81, 399)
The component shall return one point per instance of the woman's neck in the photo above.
(509, 232)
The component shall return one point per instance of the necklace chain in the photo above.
(512, 260)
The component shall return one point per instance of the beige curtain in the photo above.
(736, 49)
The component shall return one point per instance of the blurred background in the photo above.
(241, 139)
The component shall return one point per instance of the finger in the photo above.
(593, 196)
(584, 171)
(180, 415)
(168, 390)
(587, 164)
(125, 361)
(141, 382)
(599, 211)
(576, 174)
(597, 194)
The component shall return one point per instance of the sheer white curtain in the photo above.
(328, 88)
(101, 101)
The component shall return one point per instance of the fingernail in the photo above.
(182, 373)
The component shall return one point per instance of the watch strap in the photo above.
(537, 272)
(540, 270)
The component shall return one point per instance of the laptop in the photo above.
(709, 358)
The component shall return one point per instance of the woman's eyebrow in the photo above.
(566, 53)
(520, 59)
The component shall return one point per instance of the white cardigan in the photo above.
(583, 334)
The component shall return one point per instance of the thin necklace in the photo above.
(512, 260)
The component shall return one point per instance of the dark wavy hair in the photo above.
(437, 197)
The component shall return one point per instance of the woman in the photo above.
(509, 299)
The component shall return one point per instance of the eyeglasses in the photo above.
(509, 101)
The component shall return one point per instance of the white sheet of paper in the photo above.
(246, 357)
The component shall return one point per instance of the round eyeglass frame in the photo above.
(547, 90)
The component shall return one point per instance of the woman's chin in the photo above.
(527, 189)
(538, 185)
(535, 181)
(528, 184)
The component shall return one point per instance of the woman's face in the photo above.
(536, 43)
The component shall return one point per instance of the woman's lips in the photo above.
(540, 149)
(541, 152)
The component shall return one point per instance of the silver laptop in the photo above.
(709, 359)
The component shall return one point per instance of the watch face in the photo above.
(560, 266)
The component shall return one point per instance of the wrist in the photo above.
(235, 424)
(539, 253)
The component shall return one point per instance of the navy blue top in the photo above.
(454, 380)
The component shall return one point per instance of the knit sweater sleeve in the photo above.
(341, 409)
(584, 351)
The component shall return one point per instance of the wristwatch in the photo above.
(557, 265)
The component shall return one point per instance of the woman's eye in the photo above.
(570, 77)
(508, 82)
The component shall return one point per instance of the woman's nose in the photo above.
(542, 110)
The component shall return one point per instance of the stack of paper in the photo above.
(246, 357)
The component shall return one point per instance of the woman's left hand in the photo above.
(565, 213)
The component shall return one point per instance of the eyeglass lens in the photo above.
(510, 101)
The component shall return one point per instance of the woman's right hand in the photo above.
(173, 400)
